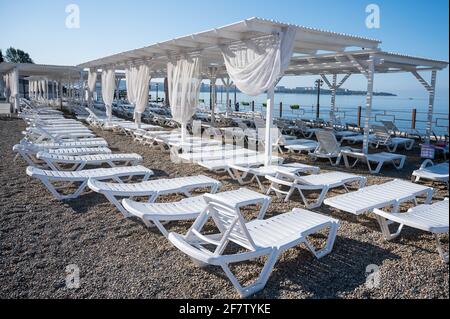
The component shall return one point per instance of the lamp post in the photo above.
(157, 88)
(319, 84)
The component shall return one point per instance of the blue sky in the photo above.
(38, 27)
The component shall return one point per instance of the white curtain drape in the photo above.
(108, 88)
(44, 89)
(6, 88)
(41, 90)
(14, 80)
(92, 80)
(130, 77)
(256, 65)
(184, 79)
(138, 79)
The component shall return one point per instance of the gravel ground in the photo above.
(118, 258)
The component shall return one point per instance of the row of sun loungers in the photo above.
(60, 161)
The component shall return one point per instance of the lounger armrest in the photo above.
(278, 181)
(427, 163)
(284, 174)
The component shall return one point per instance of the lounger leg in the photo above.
(442, 253)
(409, 146)
(332, 233)
(385, 229)
(318, 202)
(260, 282)
(61, 197)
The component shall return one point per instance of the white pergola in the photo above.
(56, 74)
(315, 51)
(368, 63)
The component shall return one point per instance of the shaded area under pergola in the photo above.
(56, 74)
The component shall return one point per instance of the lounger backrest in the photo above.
(231, 224)
(390, 126)
(328, 143)
(381, 134)
(228, 220)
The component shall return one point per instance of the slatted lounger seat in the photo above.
(429, 171)
(307, 146)
(356, 139)
(155, 214)
(379, 196)
(38, 136)
(29, 151)
(78, 163)
(379, 159)
(224, 165)
(240, 173)
(97, 142)
(321, 182)
(429, 218)
(268, 238)
(217, 155)
(82, 177)
(152, 189)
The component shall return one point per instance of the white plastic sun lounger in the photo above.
(29, 152)
(320, 182)
(379, 159)
(429, 171)
(383, 138)
(306, 146)
(380, 196)
(429, 218)
(152, 189)
(216, 155)
(223, 165)
(79, 162)
(38, 135)
(356, 139)
(155, 214)
(259, 238)
(94, 142)
(329, 148)
(240, 173)
(82, 177)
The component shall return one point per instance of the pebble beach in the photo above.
(121, 258)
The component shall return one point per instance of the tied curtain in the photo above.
(44, 89)
(138, 79)
(13, 84)
(92, 80)
(256, 65)
(108, 89)
(184, 79)
(7, 86)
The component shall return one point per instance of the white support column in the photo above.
(431, 88)
(17, 96)
(213, 100)
(334, 86)
(228, 83)
(118, 80)
(269, 126)
(369, 99)
(432, 96)
(81, 91)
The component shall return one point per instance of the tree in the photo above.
(17, 56)
(1, 56)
